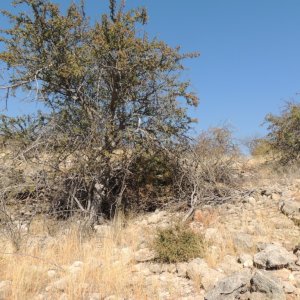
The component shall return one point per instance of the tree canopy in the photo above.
(108, 72)
(107, 87)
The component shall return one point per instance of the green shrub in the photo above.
(284, 133)
(260, 147)
(178, 243)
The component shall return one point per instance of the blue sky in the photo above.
(249, 63)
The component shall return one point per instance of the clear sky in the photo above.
(250, 54)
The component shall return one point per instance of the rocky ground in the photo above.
(253, 253)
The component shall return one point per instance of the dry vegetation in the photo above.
(80, 185)
(105, 267)
(47, 253)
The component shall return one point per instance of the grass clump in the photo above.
(178, 243)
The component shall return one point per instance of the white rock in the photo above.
(252, 201)
(155, 268)
(181, 269)
(144, 255)
(288, 287)
(95, 296)
(76, 267)
(243, 240)
(156, 217)
(52, 273)
(199, 268)
(5, 286)
(77, 264)
(246, 260)
(59, 285)
(297, 279)
(113, 297)
(229, 265)
(63, 296)
(275, 196)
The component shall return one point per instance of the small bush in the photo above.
(178, 243)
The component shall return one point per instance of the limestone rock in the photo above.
(199, 268)
(296, 277)
(76, 267)
(94, 296)
(230, 287)
(273, 256)
(155, 268)
(230, 265)
(156, 217)
(5, 287)
(246, 260)
(243, 240)
(52, 273)
(58, 285)
(291, 209)
(288, 287)
(181, 269)
(144, 255)
(267, 284)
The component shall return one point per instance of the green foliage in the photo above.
(284, 133)
(107, 87)
(260, 147)
(178, 244)
(22, 129)
(108, 74)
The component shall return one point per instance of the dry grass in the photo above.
(107, 269)
(216, 252)
(206, 217)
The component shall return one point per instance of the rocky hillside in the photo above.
(252, 252)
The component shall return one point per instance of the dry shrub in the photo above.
(210, 171)
(178, 243)
(77, 177)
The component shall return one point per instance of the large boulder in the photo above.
(267, 284)
(230, 287)
(244, 285)
(274, 257)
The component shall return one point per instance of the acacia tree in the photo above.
(106, 87)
